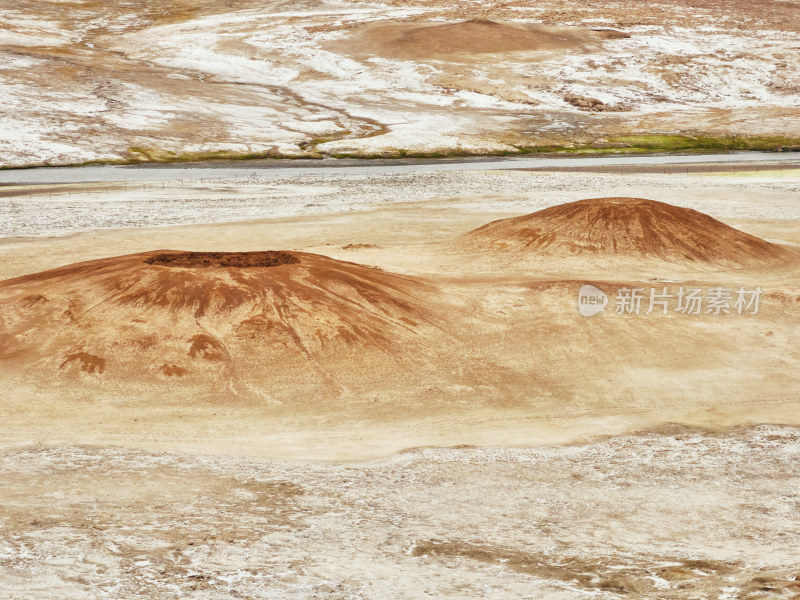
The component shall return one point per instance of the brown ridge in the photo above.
(477, 36)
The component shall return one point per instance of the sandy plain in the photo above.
(513, 361)
(508, 447)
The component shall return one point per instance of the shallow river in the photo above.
(287, 168)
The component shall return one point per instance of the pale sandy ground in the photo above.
(45, 227)
(166, 495)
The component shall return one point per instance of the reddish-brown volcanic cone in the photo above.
(247, 317)
(626, 227)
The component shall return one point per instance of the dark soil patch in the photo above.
(88, 363)
(238, 260)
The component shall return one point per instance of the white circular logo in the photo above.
(591, 300)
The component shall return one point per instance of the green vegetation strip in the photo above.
(619, 145)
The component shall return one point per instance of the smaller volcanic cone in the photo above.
(631, 228)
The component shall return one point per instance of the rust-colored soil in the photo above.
(87, 363)
(628, 227)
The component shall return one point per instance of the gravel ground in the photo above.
(218, 200)
(675, 514)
